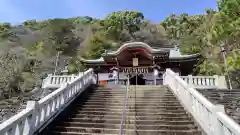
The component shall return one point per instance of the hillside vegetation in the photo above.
(29, 51)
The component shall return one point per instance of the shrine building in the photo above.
(143, 64)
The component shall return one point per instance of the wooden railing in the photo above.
(39, 114)
(210, 117)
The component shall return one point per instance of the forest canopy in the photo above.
(28, 51)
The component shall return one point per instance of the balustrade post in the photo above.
(80, 74)
(47, 81)
(155, 76)
(190, 81)
(216, 123)
(215, 81)
(31, 123)
(94, 78)
(164, 78)
(167, 77)
(72, 77)
(222, 83)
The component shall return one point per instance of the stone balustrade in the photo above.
(206, 82)
(211, 118)
(38, 114)
(55, 81)
(199, 82)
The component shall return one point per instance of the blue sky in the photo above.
(17, 11)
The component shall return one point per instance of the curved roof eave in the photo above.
(100, 60)
(186, 56)
(136, 44)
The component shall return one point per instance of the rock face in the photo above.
(10, 107)
(150, 111)
(229, 98)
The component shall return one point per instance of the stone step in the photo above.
(77, 133)
(229, 97)
(224, 102)
(123, 93)
(124, 90)
(219, 96)
(80, 117)
(170, 114)
(137, 102)
(91, 130)
(224, 98)
(86, 130)
(232, 111)
(89, 103)
(105, 124)
(138, 96)
(116, 120)
(132, 88)
(167, 132)
(133, 92)
(101, 119)
(107, 92)
(137, 106)
(219, 93)
(130, 98)
(222, 91)
(130, 109)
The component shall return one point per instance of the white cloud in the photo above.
(9, 13)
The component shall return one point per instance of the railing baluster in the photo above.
(205, 82)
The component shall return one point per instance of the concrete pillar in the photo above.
(72, 77)
(222, 84)
(29, 125)
(217, 124)
(190, 81)
(215, 82)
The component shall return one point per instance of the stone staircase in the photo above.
(150, 110)
(229, 98)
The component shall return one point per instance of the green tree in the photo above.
(97, 45)
(116, 22)
(32, 24)
(6, 30)
(230, 7)
(59, 33)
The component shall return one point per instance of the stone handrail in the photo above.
(55, 81)
(210, 117)
(39, 114)
(205, 82)
(124, 109)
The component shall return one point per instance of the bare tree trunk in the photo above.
(56, 62)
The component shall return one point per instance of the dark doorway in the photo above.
(137, 79)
